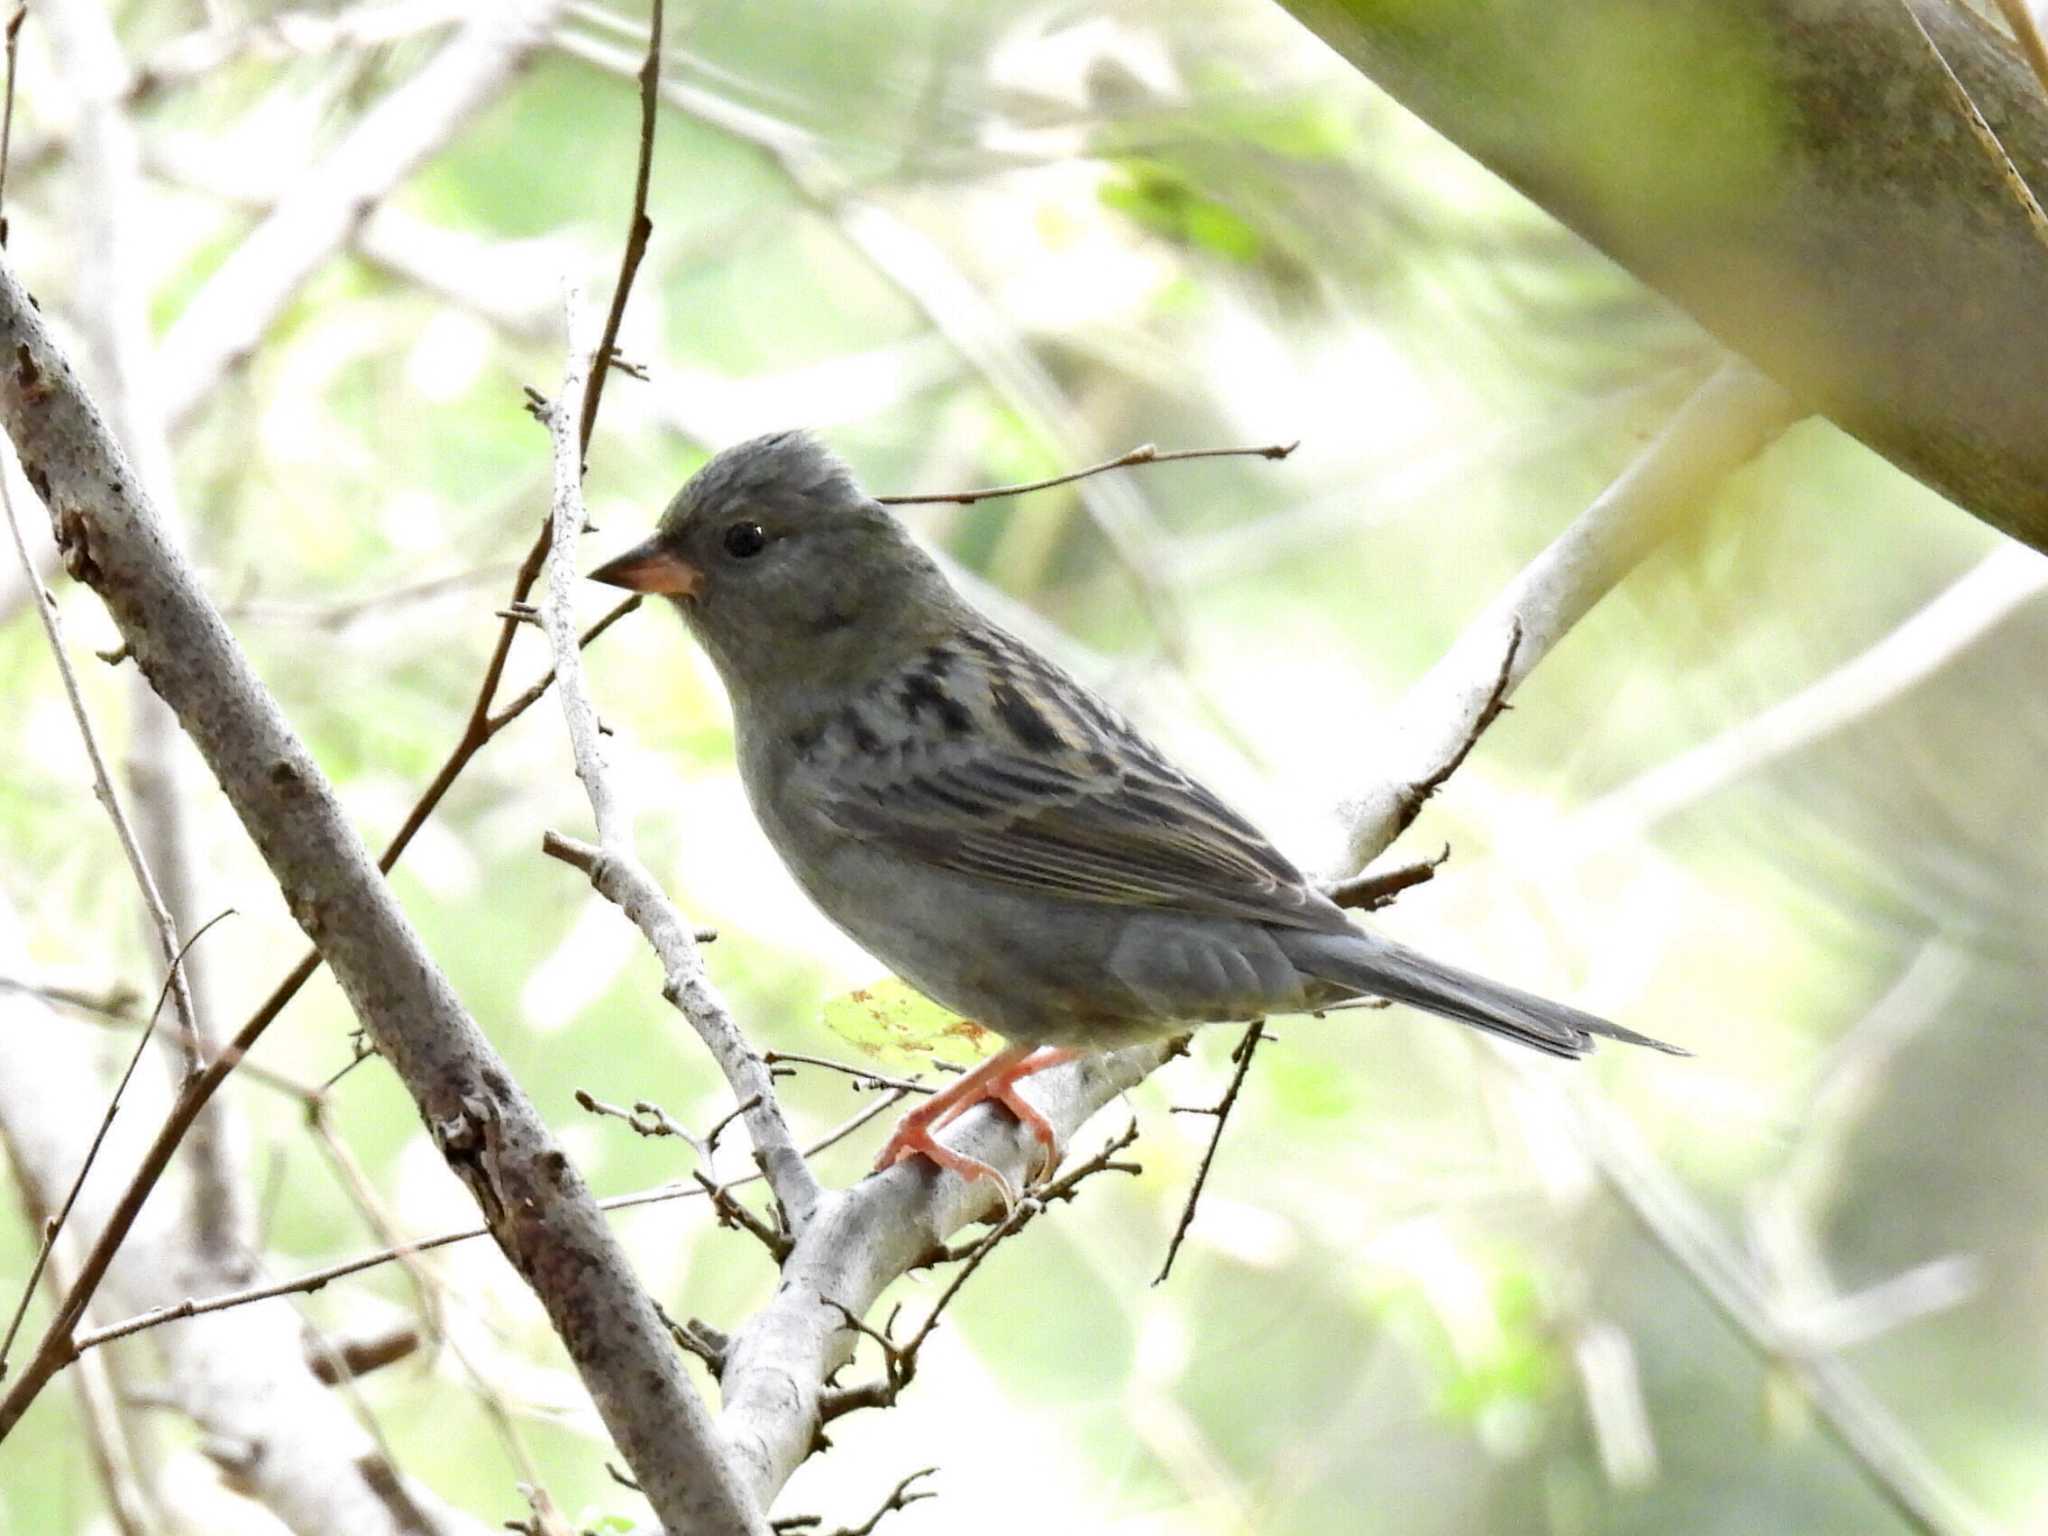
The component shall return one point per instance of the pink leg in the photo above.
(996, 1079)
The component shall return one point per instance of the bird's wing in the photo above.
(983, 758)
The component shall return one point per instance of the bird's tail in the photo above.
(1367, 963)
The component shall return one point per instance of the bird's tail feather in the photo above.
(1368, 963)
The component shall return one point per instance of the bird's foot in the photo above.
(997, 1079)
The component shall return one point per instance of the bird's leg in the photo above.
(1004, 1090)
(996, 1079)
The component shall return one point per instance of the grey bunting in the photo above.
(984, 825)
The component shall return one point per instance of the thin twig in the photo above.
(1728, 419)
(117, 1009)
(862, 1077)
(7, 117)
(130, 1501)
(1143, 454)
(161, 922)
(899, 1361)
(55, 1224)
(318, 1279)
(478, 732)
(1242, 1053)
(605, 358)
(900, 1497)
(612, 867)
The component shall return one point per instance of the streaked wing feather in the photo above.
(1045, 789)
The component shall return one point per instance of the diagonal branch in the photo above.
(536, 1203)
(1726, 422)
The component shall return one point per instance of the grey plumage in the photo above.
(979, 820)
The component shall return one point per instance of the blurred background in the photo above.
(1777, 799)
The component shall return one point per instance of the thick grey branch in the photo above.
(538, 1207)
(1825, 205)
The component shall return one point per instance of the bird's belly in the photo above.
(1043, 971)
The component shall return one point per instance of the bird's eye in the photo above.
(743, 541)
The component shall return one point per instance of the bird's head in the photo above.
(785, 570)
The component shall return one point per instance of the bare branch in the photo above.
(130, 1500)
(1144, 454)
(55, 1224)
(613, 869)
(862, 1240)
(638, 228)
(7, 110)
(307, 1462)
(899, 1497)
(862, 1077)
(1731, 417)
(536, 1204)
(318, 1279)
(1377, 889)
(1246, 1048)
(165, 930)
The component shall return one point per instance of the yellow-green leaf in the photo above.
(895, 1023)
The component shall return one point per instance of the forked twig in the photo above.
(1242, 1053)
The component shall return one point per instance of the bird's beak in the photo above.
(651, 567)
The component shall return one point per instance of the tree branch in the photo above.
(239, 1379)
(1770, 208)
(1726, 422)
(613, 870)
(536, 1203)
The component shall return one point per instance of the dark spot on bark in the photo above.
(38, 481)
(1031, 728)
(495, 1081)
(26, 373)
(284, 773)
(73, 535)
(922, 691)
(864, 738)
(804, 741)
(555, 1165)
